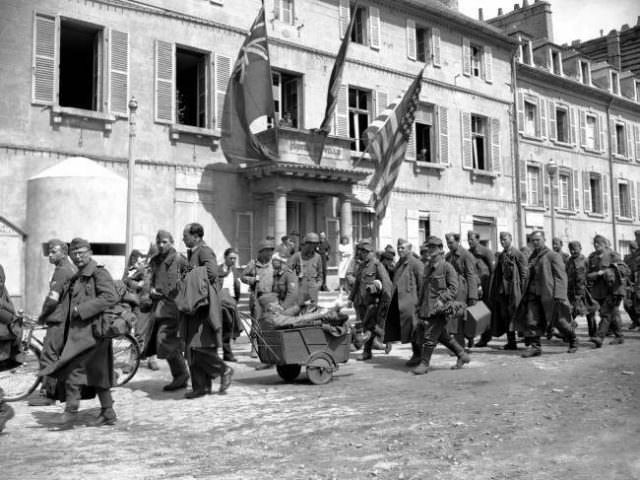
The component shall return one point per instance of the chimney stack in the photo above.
(516, 6)
(480, 15)
(500, 12)
(525, 3)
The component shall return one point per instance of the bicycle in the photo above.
(20, 381)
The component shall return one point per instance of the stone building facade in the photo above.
(75, 65)
(581, 115)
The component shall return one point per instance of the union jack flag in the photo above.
(388, 136)
(255, 44)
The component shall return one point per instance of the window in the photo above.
(479, 142)
(476, 60)
(81, 61)
(620, 143)
(286, 98)
(424, 142)
(530, 119)
(359, 32)
(556, 62)
(637, 91)
(359, 108)
(191, 88)
(283, 11)
(595, 187)
(424, 229)
(562, 125)
(525, 51)
(585, 72)
(615, 83)
(533, 185)
(591, 132)
(562, 200)
(362, 225)
(624, 200)
(422, 44)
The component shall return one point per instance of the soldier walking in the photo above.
(577, 293)
(485, 265)
(307, 264)
(632, 301)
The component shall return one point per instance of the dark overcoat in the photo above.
(465, 265)
(85, 359)
(407, 279)
(371, 308)
(507, 285)
(438, 290)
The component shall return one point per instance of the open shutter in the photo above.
(165, 73)
(586, 189)
(382, 101)
(616, 199)
(276, 9)
(467, 155)
(602, 133)
(636, 130)
(374, 27)
(583, 129)
(553, 135)
(542, 108)
(488, 64)
(546, 190)
(443, 134)
(638, 199)
(222, 67)
(44, 70)
(119, 72)
(576, 190)
(628, 128)
(520, 112)
(524, 186)
(605, 194)
(435, 47)
(411, 39)
(466, 57)
(632, 194)
(342, 113)
(344, 14)
(411, 144)
(495, 145)
(573, 125)
(613, 146)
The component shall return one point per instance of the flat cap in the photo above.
(433, 241)
(266, 244)
(311, 238)
(78, 242)
(365, 245)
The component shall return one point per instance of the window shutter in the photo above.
(524, 186)
(520, 112)
(576, 190)
(411, 39)
(222, 75)
(495, 145)
(165, 92)
(616, 199)
(374, 27)
(344, 14)
(636, 130)
(552, 120)
(637, 206)
(628, 131)
(119, 72)
(382, 101)
(542, 107)
(586, 189)
(572, 126)
(435, 47)
(467, 155)
(583, 130)
(605, 194)
(45, 65)
(632, 194)
(276, 9)
(546, 190)
(443, 134)
(612, 136)
(342, 113)
(488, 64)
(413, 219)
(410, 154)
(601, 133)
(466, 57)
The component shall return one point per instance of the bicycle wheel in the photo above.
(126, 358)
(20, 381)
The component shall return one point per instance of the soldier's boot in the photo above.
(366, 350)
(534, 349)
(573, 344)
(414, 361)
(592, 326)
(511, 342)
(107, 415)
(179, 373)
(458, 349)
(485, 338)
(72, 403)
(425, 359)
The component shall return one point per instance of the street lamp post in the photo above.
(133, 106)
(552, 170)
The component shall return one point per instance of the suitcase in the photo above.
(478, 320)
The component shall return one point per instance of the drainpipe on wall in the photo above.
(516, 152)
(612, 182)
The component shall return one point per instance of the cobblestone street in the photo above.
(502, 417)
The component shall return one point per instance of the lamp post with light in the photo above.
(133, 106)
(552, 170)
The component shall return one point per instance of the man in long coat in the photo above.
(505, 293)
(86, 362)
(166, 266)
(401, 318)
(545, 299)
(371, 295)
(577, 293)
(202, 331)
(52, 315)
(485, 265)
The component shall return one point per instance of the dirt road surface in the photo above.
(558, 416)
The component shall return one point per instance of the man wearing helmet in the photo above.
(307, 265)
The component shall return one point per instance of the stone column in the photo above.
(346, 220)
(280, 199)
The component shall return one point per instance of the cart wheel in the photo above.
(288, 372)
(320, 368)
